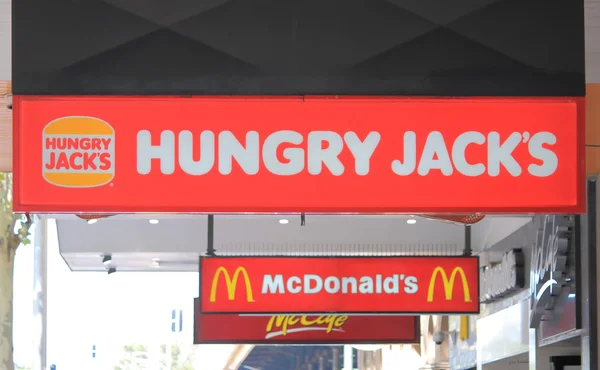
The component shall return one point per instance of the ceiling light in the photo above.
(107, 259)
(411, 221)
(92, 221)
(153, 221)
(284, 221)
(155, 263)
(571, 295)
(112, 270)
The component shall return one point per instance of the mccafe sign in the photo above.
(551, 266)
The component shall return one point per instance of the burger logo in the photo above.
(78, 152)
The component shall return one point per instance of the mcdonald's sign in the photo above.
(448, 283)
(310, 285)
(231, 283)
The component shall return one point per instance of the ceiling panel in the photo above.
(592, 36)
(178, 240)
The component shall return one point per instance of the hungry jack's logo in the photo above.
(231, 283)
(448, 283)
(78, 152)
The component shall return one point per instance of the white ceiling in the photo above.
(592, 35)
(178, 240)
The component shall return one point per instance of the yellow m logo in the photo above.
(448, 283)
(231, 284)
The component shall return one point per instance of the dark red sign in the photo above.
(339, 284)
(364, 155)
(304, 329)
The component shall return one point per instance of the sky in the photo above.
(108, 311)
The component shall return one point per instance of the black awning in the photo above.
(299, 47)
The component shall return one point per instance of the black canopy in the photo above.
(297, 47)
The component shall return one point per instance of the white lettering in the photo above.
(500, 279)
(366, 285)
(164, 152)
(362, 150)
(349, 284)
(287, 153)
(294, 285)
(391, 285)
(318, 284)
(332, 285)
(547, 156)
(246, 157)
(186, 153)
(502, 154)
(272, 285)
(435, 155)
(410, 156)
(295, 156)
(411, 286)
(458, 153)
(328, 155)
(314, 284)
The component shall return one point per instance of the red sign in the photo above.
(304, 329)
(298, 154)
(339, 284)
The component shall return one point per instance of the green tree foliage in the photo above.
(136, 356)
(178, 361)
(14, 231)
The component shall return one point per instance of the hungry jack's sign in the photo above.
(308, 285)
(114, 154)
(300, 329)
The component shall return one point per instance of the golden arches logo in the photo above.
(231, 283)
(448, 283)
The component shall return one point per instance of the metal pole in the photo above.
(210, 243)
(468, 250)
(321, 363)
(40, 258)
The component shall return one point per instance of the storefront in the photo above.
(310, 152)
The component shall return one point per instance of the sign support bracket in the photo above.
(468, 251)
(210, 242)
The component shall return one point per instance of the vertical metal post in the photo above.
(321, 363)
(210, 243)
(348, 357)
(533, 350)
(586, 285)
(40, 258)
(592, 278)
(468, 250)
